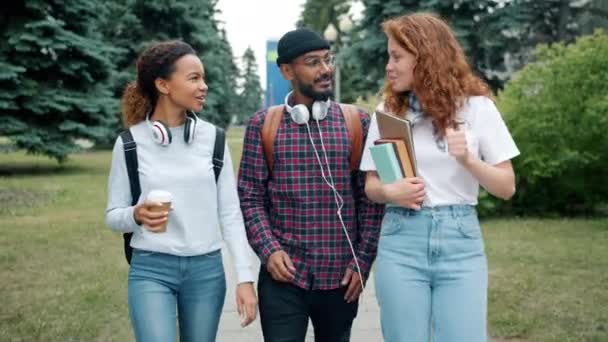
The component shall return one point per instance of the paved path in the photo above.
(366, 327)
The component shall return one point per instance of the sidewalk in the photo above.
(366, 327)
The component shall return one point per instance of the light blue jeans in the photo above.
(431, 275)
(163, 287)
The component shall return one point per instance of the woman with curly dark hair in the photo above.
(431, 269)
(176, 269)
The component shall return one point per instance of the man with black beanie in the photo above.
(303, 200)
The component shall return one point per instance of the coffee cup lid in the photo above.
(159, 196)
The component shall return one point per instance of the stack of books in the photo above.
(393, 153)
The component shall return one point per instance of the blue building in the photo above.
(276, 86)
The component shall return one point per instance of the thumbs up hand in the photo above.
(457, 144)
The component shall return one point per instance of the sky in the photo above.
(252, 23)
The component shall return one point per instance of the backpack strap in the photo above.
(353, 126)
(269, 132)
(130, 148)
(218, 151)
(355, 134)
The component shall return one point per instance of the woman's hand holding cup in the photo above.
(154, 212)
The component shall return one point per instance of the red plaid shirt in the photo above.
(294, 210)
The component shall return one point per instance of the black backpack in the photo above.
(130, 148)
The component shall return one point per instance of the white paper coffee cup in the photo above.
(164, 198)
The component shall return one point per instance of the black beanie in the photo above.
(298, 42)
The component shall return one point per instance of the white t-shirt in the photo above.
(446, 181)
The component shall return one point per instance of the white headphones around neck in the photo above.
(162, 133)
(300, 114)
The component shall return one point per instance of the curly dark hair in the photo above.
(158, 60)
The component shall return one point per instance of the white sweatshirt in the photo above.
(199, 207)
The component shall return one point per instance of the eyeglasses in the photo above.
(316, 62)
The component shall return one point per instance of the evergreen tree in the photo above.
(250, 96)
(317, 14)
(511, 32)
(54, 68)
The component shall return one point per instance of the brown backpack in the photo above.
(353, 125)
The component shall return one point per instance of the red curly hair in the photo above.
(442, 76)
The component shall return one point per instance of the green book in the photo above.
(386, 161)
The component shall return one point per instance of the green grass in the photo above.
(63, 275)
(548, 279)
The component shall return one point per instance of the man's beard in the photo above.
(308, 91)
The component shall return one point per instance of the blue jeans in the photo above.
(431, 275)
(163, 287)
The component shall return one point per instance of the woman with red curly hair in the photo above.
(431, 270)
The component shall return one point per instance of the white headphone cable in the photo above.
(338, 199)
(336, 193)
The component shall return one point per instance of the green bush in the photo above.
(557, 110)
